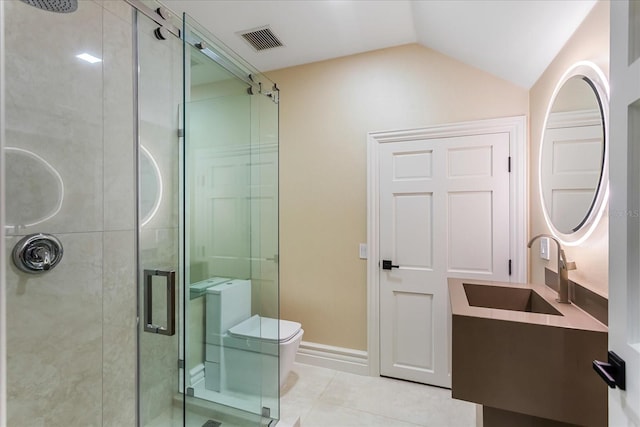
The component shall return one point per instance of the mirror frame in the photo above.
(598, 81)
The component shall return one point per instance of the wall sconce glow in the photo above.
(89, 58)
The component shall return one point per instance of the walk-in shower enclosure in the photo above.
(139, 166)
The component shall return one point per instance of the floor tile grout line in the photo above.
(317, 399)
(326, 387)
(308, 412)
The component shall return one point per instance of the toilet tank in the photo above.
(227, 304)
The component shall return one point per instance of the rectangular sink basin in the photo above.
(505, 298)
(510, 359)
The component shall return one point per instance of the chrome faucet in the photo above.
(563, 269)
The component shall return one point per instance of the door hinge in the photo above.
(509, 164)
(509, 267)
(180, 133)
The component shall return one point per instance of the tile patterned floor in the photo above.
(323, 397)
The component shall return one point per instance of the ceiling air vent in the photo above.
(261, 38)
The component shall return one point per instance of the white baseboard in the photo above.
(338, 358)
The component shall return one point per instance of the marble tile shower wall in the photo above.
(71, 332)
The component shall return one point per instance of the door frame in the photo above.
(624, 200)
(516, 127)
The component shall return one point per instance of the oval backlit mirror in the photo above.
(573, 154)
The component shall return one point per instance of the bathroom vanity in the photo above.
(525, 357)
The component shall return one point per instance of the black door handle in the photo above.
(613, 372)
(387, 264)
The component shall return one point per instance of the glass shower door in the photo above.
(230, 212)
(159, 87)
(207, 232)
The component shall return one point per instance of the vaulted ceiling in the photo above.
(512, 39)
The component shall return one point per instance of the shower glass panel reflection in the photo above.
(207, 213)
(230, 176)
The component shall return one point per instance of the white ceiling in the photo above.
(512, 39)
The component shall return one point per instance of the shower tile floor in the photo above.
(323, 397)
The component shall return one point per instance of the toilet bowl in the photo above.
(271, 337)
(242, 352)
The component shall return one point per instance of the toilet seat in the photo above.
(266, 329)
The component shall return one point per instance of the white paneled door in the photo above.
(443, 212)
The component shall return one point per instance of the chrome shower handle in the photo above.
(37, 253)
(43, 254)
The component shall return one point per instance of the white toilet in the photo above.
(236, 342)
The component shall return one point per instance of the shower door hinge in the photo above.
(180, 133)
(180, 364)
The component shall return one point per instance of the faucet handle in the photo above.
(567, 265)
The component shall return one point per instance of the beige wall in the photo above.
(590, 42)
(326, 110)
